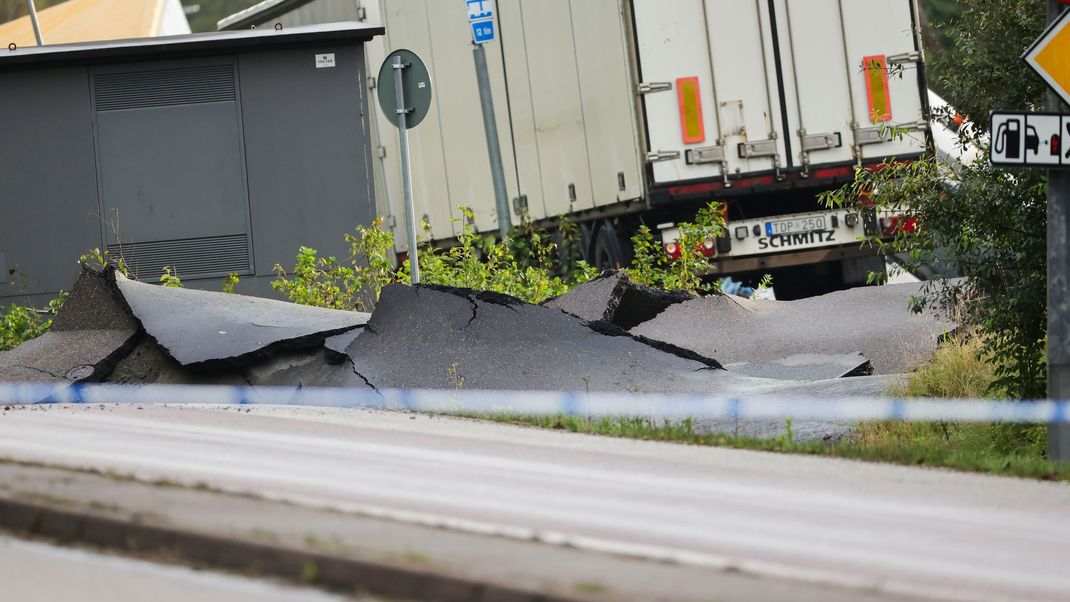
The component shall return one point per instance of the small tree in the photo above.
(984, 224)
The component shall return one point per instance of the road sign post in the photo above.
(1049, 58)
(406, 104)
(481, 17)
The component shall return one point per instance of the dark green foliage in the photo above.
(982, 69)
(19, 324)
(986, 224)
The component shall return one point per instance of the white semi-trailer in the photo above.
(618, 113)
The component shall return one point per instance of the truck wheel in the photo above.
(609, 251)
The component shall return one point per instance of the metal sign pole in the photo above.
(406, 175)
(490, 126)
(1058, 281)
(36, 25)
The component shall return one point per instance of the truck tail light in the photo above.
(708, 248)
(890, 226)
(880, 100)
(687, 93)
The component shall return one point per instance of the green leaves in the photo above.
(19, 324)
(652, 267)
(530, 264)
(527, 265)
(170, 280)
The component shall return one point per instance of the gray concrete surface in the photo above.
(863, 527)
(34, 571)
(440, 557)
(873, 320)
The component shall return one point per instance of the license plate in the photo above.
(791, 226)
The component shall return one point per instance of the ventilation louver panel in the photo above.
(188, 258)
(166, 87)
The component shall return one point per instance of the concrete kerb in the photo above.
(312, 568)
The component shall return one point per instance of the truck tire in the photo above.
(610, 249)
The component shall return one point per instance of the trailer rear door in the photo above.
(850, 66)
(709, 87)
(743, 87)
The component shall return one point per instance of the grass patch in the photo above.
(958, 370)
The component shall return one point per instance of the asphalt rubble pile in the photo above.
(607, 335)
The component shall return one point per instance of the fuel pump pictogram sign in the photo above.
(1030, 140)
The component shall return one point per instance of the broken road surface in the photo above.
(873, 320)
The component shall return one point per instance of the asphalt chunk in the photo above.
(209, 329)
(426, 337)
(92, 332)
(614, 298)
(875, 321)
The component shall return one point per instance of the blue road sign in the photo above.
(481, 16)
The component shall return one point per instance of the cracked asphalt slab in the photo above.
(614, 298)
(807, 367)
(433, 337)
(86, 339)
(206, 327)
(874, 320)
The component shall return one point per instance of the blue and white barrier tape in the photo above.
(596, 405)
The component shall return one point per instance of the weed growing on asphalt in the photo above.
(20, 323)
(169, 279)
(229, 283)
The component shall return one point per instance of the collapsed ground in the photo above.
(607, 335)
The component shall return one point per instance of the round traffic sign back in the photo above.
(415, 82)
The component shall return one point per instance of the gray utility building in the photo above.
(212, 153)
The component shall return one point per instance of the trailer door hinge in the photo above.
(655, 156)
(371, 83)
(903, 58)
(647, 88)
(818, 142)
(758, 148)
(706, 154)
(381, 151)
(864, 136)
(362, 14)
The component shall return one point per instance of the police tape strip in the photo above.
(595, 405)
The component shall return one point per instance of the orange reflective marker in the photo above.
(690, 110)
(880, 100)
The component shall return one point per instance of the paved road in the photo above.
(38, 572)
(903, 531)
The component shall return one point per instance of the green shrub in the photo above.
(528, 264)
(19, 324)
(652, 267)
(351, 284)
